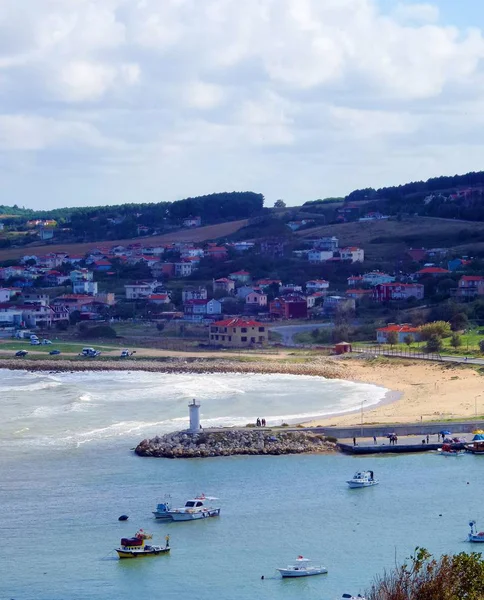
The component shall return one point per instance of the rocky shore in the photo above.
(322, 367)
(236, 441)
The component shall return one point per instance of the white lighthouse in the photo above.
(194, 416)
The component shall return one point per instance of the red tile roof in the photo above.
(434, 270)
(399, 329)
(238, 322)
(240, 273)
(157, 296)
(472, 278)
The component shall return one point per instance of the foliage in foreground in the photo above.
(451, 577)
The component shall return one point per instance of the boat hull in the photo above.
(162, 516)
(153, 551)
(286, 573)
(476, 539)
(194, 516)
(456, 453)
(356, 484)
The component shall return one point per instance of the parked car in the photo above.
(89, 352)
(34, 342)
(127, 353)
(45, 342)
(54, 352)
(21, 353)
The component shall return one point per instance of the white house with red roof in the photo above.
(240, 276)
(224, 284)
(353, 254)
(192, 222)
(317, 285)
(159, 298)
(402, 331)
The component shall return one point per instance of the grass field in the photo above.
(67, 347)
(413, 232)
(200, 234)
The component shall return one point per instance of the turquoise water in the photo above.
(60, 503)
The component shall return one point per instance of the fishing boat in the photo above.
(474, 535)
(362, 479)
(302, 568)
(350, 597)
(448, 450)
(162, 508)
(476, 447)
(137, 546)
(195, 508)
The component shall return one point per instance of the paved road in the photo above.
(288, 331)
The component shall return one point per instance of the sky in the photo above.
(112, 101)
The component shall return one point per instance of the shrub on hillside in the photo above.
(438, 328)
(434, 344)
(423, 577)
(99, 332)
(481, 346)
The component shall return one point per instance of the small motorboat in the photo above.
(162, 508)
(449, 450)
(194, 509)
(363, 479)
(474, 535)
(123, 518)
(302, 568)
(350, 597)
(137, 546)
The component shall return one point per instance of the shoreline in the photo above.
(417, 391)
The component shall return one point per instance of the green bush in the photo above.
(434, 344)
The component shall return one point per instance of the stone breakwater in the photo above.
(233, 442)
(318, 367)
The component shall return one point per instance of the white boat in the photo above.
(162, 508)
(362, 479)
(350, 597)
(302, 568)
(474, 535)
(196, 508)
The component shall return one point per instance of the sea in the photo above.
(67, 472)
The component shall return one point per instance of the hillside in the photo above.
(387, 239)
(200, 234)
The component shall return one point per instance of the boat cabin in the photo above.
(196, 503)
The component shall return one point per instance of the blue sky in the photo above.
(110, 101)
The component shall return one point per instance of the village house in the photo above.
(402, 331)
(216, 252)
(152, 250)
(55, 278)
(85, 287)
(353, 254)
(10, 316)
(431, 272)
(313, 299)
(469, 286)
(375, 277)
(385, 292)
(102, 265)
(196, 310)
(337, 303)
(183, 268)
(295, 225)
(224, 284)
(6, 294)
(194, 293)
(290, 288)
(163, 269)
(355, 280)
(274, 247)
(142, 230)
(192, 222)
(242, 246)
(256, 300)
(81, 275)
(240, 276)
(317, 285)
(289, 307)
(191, 251)
(238, 332)
(11, 272)
(74, 259)
(159, 298)
(319, 256)
(265, 284)
(244, 291)
(326, 243)
(358, 294)
(141, 289)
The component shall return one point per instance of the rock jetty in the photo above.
(230, 442)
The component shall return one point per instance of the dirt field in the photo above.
(200, 234)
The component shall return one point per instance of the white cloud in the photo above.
(166, 88)
(417, 13)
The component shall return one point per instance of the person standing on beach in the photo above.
(428, 438)
(374, 439)
(354, 441)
